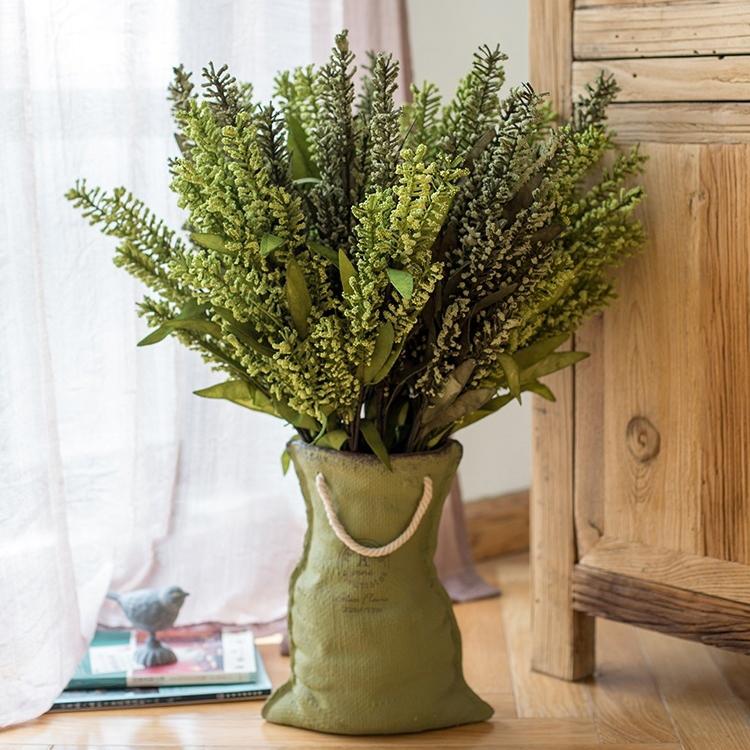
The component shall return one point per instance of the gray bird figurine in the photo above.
(152, 610)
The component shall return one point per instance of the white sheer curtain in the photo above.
(112, 475)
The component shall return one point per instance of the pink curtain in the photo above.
(381, 26)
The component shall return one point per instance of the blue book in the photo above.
(89, 700)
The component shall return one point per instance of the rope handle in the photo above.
(344, 537)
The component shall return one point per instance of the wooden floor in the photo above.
(651, 693)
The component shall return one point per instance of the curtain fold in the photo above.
(112, 474)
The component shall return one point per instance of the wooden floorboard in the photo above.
(650, 692)
(627, 704)
(705, 710)
(537, 695)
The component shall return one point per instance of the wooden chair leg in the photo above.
(562, 639)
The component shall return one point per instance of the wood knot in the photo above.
(643, 439)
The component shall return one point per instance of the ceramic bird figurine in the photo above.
(152, 610)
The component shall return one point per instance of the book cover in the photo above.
(127, 697)
(206, 654)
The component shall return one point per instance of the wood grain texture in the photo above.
(551, 50)
(621, 713)
(686, 614)
(735, 669)
(659, 29)
(653, 357)
(498, 525)
(690, 122)
(724, 216)
(708, 575)
(537, 695)
(705, 711)
(589, 428)
(562, 640)
(667, 80)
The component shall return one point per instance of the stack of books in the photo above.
(214, 663)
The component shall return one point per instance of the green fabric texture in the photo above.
(375, 648)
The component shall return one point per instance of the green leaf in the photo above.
(191, 309)
(297, 297)
(334, 439)
(324, 251)
(494, 297)
(552, 363)
(386, 368)
(209, 241)
(402, 281)
(230, 389)
(438, 438)
(347, 272)
(539, 350)
(372, 438)
(298, 144)
(286, 459)
(307, 181)
(303, 421)
(201, 326)
(244, 333)
(540, 389)
(512, 376)
(269, 243)
(490, 407)
(454, 384)
(240, 392)
(479, 145)
(155, 336)
(383, 347)
(465, 404)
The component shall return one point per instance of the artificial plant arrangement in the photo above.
(379, 277)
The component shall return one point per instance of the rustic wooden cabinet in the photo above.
(641, 491)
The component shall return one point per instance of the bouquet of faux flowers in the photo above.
(378, 276)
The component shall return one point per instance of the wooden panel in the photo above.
(656, 29)
(589, 446)
(551, 50)
(498, 525)
(681, 123)
(707, 714)
(708, 575)
(686, 614)
(562, 640)
(725, 312)
(668, 80)
(653, 354)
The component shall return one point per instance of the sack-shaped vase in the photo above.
(374, 644)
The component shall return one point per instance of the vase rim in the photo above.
(297, 444)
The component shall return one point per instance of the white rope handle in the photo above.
(360, 549)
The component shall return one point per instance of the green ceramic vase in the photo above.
(374, 645)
